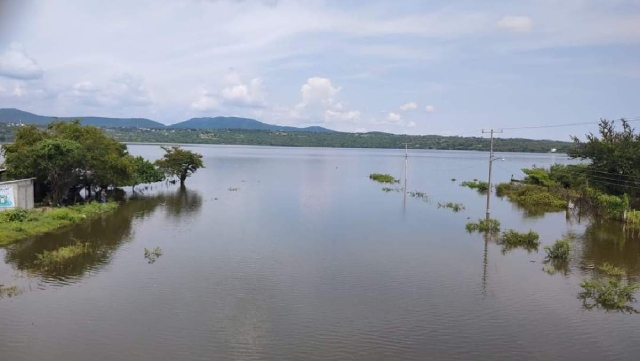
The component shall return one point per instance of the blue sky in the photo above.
(416, 67)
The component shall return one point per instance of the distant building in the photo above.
(16, 194)
(553, 150)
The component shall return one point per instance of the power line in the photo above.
(634, 119)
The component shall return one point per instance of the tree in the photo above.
(144, 172)
(180, 163)
(614, 156)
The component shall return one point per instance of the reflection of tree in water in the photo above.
(181, 203)
(613, 243)
(103, 235)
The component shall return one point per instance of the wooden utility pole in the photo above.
(488, 215)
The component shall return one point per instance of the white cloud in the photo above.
(122, 91)
(430, 108)
(234, 93)
(337, 115)
(16, 64)
(409, 106)
(516, 24)
(411, 124)
(394, 117)
(18, 90)
(318, 91)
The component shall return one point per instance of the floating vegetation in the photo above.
(455, 207)
(560, 250)
(533, 195)
(389, 189)
(383, 178)
(419, 195)
(484, 225)
(9, 292)
(479, 186)
(19, 224)
(453, 179)
(611, 293)
(151, 255)
(232, 189)
(512, 239)
(61, 257)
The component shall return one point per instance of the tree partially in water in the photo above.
(180, 163)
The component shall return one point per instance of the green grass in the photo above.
(19, 224)
(512, 239)
(383, 178)
(484, 225)
(560, 250)
(455, 207)
(59, 258)
(477, 185)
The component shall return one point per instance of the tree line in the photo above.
(66, 158)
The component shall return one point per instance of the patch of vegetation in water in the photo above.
(484, 225)
(61, 257)
(389, 189)
(9, 291)
(455, 207)
(560, 250)
(512, 239)
(152, 255)
(232, 189)
(533, 195)
(611, 292)
(480, 186)
(383, 178)
(19, 224)
(419, 195)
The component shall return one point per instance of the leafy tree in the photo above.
(179, 163)
(614, 156)
(144, 172)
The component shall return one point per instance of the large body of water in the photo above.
(310, 260)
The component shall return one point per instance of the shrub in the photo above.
(484, 225)
(612, 294)
(532, 195)
(611, 270)
(479, 186)
(512, 239)
(15, 215)
(455, 207)
(559, 250)
(383, 178)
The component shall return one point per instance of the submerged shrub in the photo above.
(611, 270)
(9, 292)
(58, 258)
(512, 239)
(484, 225)
(479, 186)
(383, 178)
(612, 292)
(455, 207)
(532, 195)
(559, 250)
(419, 195)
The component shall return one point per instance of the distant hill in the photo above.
(17, 116)
(241, 123)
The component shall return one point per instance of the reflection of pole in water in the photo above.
(406, 165)
(485, 263)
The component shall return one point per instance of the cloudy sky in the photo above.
(403, 66)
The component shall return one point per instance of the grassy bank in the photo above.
(19, 224)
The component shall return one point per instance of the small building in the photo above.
(16, 194)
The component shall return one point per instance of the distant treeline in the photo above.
(332, 140)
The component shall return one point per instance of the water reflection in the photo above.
(102, 236)
(613, 243)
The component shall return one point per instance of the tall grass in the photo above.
(19, 224)
(560, 250)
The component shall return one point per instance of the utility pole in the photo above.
(488, 215)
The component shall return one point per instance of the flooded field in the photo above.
(295, 254)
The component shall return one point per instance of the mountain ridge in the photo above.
(12, 115)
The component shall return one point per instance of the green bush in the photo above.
(612, 294)
(455, 207)
(383, 178)
(484, 225)
(512, 239)
(477, 185)
(15, 215)
(533, 195)
(560, 250)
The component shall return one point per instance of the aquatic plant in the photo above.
(22, 224)
(484, 225)
(512, 239)
(151, 255)
(455, 207)
(560, 250)
(419, 195)
(389, 189)
(533, 195)
(49, 260)
(453, 179)
(611, 270)
(9, 291)
(383, 178)
(232, 189)
(479, 186)
(610, 294)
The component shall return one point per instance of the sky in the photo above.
(402, 66)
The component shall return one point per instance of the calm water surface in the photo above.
(310, 260)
